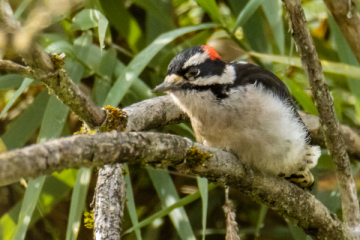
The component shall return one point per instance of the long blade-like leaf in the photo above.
(131, 202)
(139, 62)
(168, 195)
(328, 67)
(22, 88)
(247, 12)
(182, 202)
(203, 189)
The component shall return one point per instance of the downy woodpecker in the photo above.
(243, 109)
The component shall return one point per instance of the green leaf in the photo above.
(246, 13)
(11, 81)
(29, 203)
(182, 202)
(86, 19)
(157, 10)
(210, 7)
(90, 18)
(53, 120)
(346, 56)
(61, 47)
(273, 13)
(203, 189)
(24, 4)
(124, 22)
(329, 67)
(77, 204)
(168, 195)
(261, 218)
(139, 62)
(22, 88)
(52, 193)
(25, 125)
(297, 233)
(51, 127)
(102, 83)
(300, 95)
(130, 203)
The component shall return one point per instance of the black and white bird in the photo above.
(243, 109)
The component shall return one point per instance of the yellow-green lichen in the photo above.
(86, 130)
(116, 120)
(196, 157)
(124, 172)
(89, 219)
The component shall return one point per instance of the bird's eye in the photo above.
(192, 72)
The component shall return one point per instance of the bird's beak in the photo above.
(170, 83)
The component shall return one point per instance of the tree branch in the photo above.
(333, 137)
(163, 150)
(348, 20)
(9, 67)
(161, 111)
(48, 69)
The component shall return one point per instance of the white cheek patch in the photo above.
(228, 77)
(197, 59)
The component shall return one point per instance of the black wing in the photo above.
(247, 73)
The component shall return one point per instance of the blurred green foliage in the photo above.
(117, 51)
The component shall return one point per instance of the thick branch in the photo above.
(163, 150)
(333, 137)
(348, 20)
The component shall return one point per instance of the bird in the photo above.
(244, 109)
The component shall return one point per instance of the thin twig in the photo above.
(9, 67)
(333, 137)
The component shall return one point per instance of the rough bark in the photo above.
(162, 150)
(332, 134)
(109, 202)
(348, 20)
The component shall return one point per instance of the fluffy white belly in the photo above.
(252, 123)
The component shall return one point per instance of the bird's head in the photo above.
(194, 67)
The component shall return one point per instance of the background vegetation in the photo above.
(100, 39)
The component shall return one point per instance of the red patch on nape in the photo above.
(211, 51)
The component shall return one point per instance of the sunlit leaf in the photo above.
(273, 12)
(90, 18)
(203, 189)
(182, 202)
(77, 204)
(329, 67)
(168, 195)
(348, 57)
(28, 205)
(22, 88)
(130, 204)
